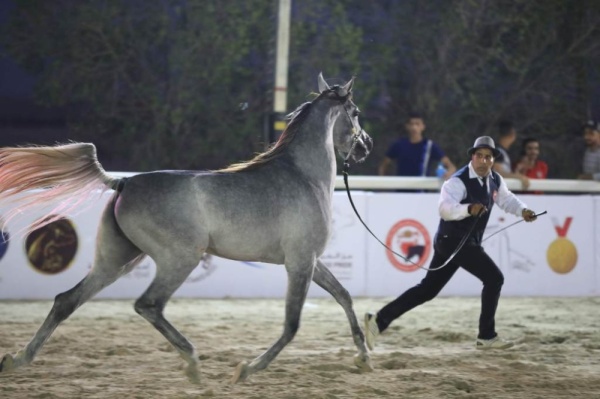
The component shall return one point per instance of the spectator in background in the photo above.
(591, 156)
(507, 135)
(529, 164)
(414, 155)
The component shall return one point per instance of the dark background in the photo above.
(188, 84)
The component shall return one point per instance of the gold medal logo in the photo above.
(51, 248)
(562, 253)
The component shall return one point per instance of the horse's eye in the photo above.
(356, 113)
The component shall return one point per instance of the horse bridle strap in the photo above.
(457, 250)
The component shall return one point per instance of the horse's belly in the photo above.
(248, 256)
(246, 248)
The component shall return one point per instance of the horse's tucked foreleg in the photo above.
(326, 280)
(299, 278)
(151, 305)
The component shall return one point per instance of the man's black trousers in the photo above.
(473, 259)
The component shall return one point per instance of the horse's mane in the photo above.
(277, 149)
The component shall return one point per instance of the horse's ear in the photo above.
(322, 83)
(347, 88)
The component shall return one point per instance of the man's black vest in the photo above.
(476, 193)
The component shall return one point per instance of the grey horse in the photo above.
(275, 208)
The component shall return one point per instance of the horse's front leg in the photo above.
(326, 280)
(299, 278)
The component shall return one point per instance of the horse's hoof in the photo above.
(363, 363)
(192, 374)
(242, 371)
(7, 363)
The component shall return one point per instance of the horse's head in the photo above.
(348, 137)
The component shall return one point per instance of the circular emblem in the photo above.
(51, 248)
(410, 239)
(562, 255)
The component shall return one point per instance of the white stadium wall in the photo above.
(555, 256)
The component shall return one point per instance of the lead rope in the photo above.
(458, 248)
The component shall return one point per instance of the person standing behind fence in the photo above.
(591, 156)
(529, 164)
(470, 193)
(414, 155)
(507, 134)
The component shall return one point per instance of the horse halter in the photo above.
(355, 135)
(343, 99)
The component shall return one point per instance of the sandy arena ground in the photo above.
(105, 350)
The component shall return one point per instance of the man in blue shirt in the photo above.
(414, 155)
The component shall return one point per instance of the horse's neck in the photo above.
(313, 151)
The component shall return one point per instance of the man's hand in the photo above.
(528, 215)
(477, 209)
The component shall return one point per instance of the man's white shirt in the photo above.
(454, 191)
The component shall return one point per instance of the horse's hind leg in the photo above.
(113, 251)
(326, 280)
(299, 278)
(171, 272)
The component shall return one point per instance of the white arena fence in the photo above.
(558, 255)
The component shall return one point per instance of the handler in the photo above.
(471, 192)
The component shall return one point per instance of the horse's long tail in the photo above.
(65, 175)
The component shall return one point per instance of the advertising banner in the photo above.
(555, 256)
(549, 257)
(55, 258)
